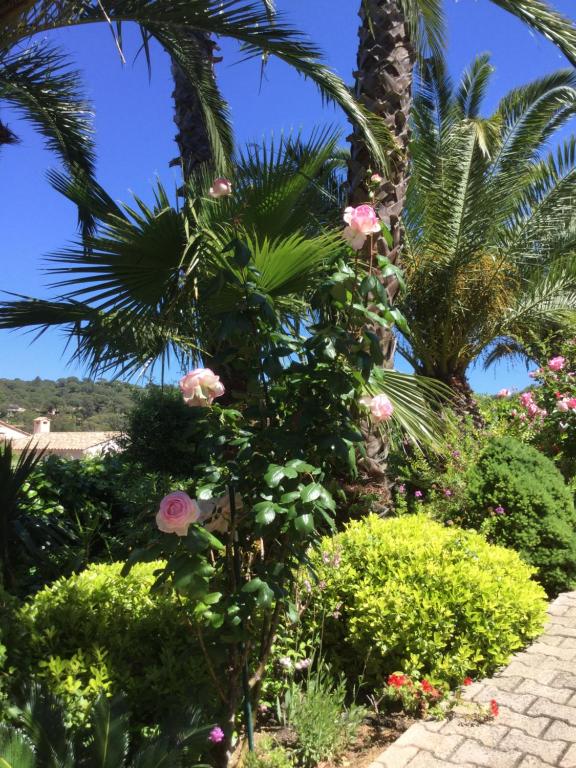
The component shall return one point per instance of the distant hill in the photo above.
(72, 404)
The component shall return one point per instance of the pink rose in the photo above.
(362, 221)
(526, 398)
(556, 363)
(177, 512)
(376, 178)
(535, 374)
(380, 407)
(572, 403)
(562, 405)
(221, 188)
(200, 387)
(504, 393)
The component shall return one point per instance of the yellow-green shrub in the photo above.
(98, 631)
(411, 595)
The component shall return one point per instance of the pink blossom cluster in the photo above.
(533, 410)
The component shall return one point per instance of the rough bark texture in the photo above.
(192, 137)
(384, 85)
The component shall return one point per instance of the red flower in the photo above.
(398, 681)
(428, 688)
(467, 681)
(494, 708)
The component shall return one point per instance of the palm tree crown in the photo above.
(489, 220)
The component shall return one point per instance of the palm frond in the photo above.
(15, 750)
(541, 16)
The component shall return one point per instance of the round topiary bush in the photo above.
(98, 631)
(411, 595)
(518, 498)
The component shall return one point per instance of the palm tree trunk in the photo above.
(384, 76)
(192, 137)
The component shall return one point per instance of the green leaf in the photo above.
(274, 475)
(311, 492)
(304, 523)
(300, 466)
(265, 512)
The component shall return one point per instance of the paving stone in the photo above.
(567, 654)
(534, 762)
(545, 750)
(561, 730)
(565, 621)
(489, 734)
(559, 695)
(553, 710)
(395, 757)
(419, 735)
(542, 661)
(552, 640)
(569, 759)
(506, 683)
(477, 754)
(564, 680)
(426, 760)
(566, 642)
(527, 671)
(559, 630)
(519, 702)
(533, 726)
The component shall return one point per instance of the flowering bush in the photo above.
(416, 598)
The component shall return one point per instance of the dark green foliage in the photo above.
(98, 632)
(538, 521)
(37, 737)
(78, 405)
(163, 434)
(411, 595)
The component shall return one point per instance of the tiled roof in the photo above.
(11, 426)
(65, 441)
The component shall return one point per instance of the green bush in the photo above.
(100, 632)
(411, 595)
(538, 518)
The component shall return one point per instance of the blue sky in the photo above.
(135, 132)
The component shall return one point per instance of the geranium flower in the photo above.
(467, 681)
(398, 681)
(494, 709)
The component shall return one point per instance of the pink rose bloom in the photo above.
(380, 407)
(200, 387)
(534, 374)
(504, 393)
(216, 735)
(376, 178)
(556, 363)
(526, 398)
(362, 221)
(221, 188)
(572, 403)
(562, 405)
(177, 512)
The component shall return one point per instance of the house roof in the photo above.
(12, 427)
(65, 441)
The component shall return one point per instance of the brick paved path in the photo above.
(536, 725)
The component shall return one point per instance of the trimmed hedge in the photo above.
(538, 518)
(411, 595)
(98, 631)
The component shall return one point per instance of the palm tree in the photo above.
(393, 35)
(490, 252)
(183, 28)
(39, 738)
(154, 283)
